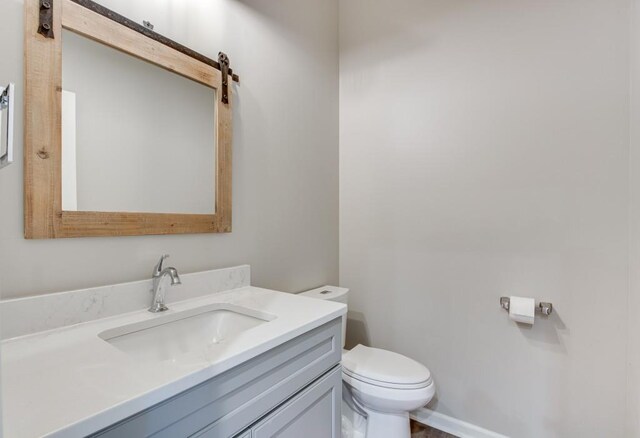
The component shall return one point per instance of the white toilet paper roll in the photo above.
(522, 310)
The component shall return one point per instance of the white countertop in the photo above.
(68, 382)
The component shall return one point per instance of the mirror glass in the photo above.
(135, 137)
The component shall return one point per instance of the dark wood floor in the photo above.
(421, 431)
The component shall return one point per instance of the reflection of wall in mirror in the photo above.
(144, 136)
(69, 169)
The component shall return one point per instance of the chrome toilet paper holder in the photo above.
(544, 308)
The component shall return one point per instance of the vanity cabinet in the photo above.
(291, 388)
(315, 413)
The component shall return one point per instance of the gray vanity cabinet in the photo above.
(292, 390)
(315, 413)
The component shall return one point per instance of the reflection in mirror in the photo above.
(6, 124)
(4, 129)
(135, 137)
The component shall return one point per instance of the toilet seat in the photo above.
(385, 399)
(350, 377)
(384, 369)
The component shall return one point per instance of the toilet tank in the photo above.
(332, 293)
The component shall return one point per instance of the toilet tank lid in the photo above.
(331, 293)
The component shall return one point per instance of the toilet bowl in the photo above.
(386, 386)
(381, 385)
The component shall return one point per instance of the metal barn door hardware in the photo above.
(45, 28)
(146, 30)
(223, 60)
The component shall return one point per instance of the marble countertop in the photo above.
(69, 382)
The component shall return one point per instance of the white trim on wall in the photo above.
(452, 425)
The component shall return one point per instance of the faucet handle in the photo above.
(158, 269)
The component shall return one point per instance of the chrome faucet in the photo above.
(157, 305)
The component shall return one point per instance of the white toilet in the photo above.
(384, 386)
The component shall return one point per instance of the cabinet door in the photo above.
(314, 413)
(246, 434)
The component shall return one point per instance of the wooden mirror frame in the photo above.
(43, 214)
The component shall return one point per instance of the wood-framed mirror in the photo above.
(126, 132)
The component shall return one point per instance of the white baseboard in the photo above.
(452, 425)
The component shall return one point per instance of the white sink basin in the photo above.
(169, 336)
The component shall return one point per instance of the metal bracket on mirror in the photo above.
(45, 27)
(224, 62)
(6, 104)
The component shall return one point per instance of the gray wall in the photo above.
(633, 360)
(484, 151)
(285, 218)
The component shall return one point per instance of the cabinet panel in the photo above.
(315, 413)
